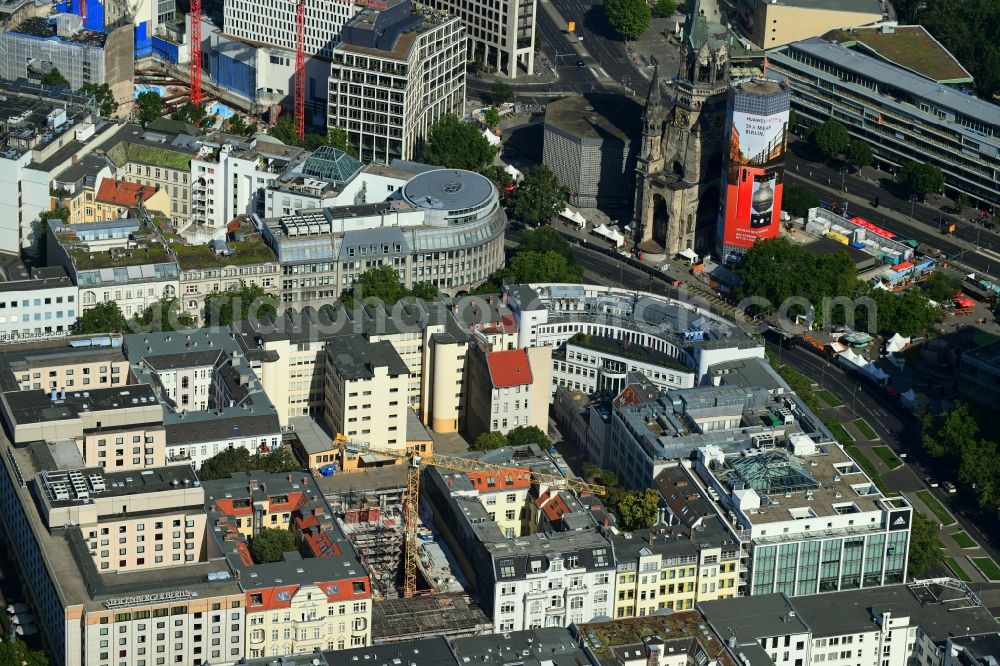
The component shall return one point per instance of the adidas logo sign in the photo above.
(899, 521)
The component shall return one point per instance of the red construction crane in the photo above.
(195, 45)
(300, 69)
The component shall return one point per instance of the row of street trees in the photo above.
(777, 271)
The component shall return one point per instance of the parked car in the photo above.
(931, 482)
(949, 487)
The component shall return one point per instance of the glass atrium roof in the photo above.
(774, 472)
(328, 163)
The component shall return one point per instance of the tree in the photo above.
(629, 18)
(425, 291)
(164, 315)
(664, 8)
(940, 286)
(457, 145)
(103, 97)
(831, 138)
(337, 137)
(270, 545)
(17, 653)
(239, 459)
(53, 78)
(776, 269)
(908, 313)
(148, 106)
(924, 553)
(499, 176)
(237, 124)
(524, 435)
(489, 441)
(381, 283)
(547, 239)
(979, 470)
(920, 178)
(962, 202)
(477, 64)
(797, 200)
(250, 301)
(967, 29)
(635, 510)
(501, 93)
(793, 118)
(528, 267)
(491, 117)
(190, 112)
(945, 434)
(539, 197)
(102, 318)
(859, 153)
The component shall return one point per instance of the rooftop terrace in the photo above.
(603, 636)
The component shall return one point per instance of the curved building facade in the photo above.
(442, 226)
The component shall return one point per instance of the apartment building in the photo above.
(229, 177)
(978, 371)
(395, 72)
(501, 34)
(91, 362)
(904, 116)
(155, 159)
(123, 261)
(108, 586)
(318, 597)
(887, 626)
(366, 393)
(210, 397)
(36, 303)
(688, 557)
(46, 132)
(225, 265)
(440, 226)
(612, 332)
(506, 388)
(115, 199)
(537, 562)
(77, 184)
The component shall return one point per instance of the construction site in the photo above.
(373, 521)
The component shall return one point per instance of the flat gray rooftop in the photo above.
(596, 116)
(448, 189)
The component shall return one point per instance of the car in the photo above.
(949, 487)
(580, 63)
(931, 482)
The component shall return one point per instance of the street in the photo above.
(923, 228)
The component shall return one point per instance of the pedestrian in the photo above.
(810, 173)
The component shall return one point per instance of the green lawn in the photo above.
(936, 507)
(829, 398)
(987, 567)
(963, 540)
(956, 569)
(939, 543)
(887, 456)
(865, 429)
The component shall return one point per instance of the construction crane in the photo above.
(195, 45)
(300, 69)
(411, 503)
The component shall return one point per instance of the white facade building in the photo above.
(391, 80)
(502, 33)
(41, 304)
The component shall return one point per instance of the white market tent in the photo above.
(896, 343)
(514, 173)
(491, 137)
(689, 254)
(612, 235)
(574, 217)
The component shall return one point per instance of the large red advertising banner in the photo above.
(754, 178)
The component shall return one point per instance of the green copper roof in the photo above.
(330, 163)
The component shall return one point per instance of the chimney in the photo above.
(649, 538)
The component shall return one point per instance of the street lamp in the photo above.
(913, 201)
(843, 174)
(854, 401)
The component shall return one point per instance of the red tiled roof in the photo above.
(509, 368)
(122, 193)
(507, 479)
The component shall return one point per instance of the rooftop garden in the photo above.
(250, 251)
(85, 259)
(153, 155)
(603, 636)
(635, 352)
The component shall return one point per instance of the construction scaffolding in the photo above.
(373, 523)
